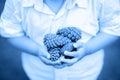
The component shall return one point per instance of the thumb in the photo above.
(72, 54)
(44, 53)
(78, 44)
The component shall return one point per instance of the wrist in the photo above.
(88, 50)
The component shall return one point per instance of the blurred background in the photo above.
(11, 65)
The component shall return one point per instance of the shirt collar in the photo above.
(70, 3)
(29, 3)
(79, 3)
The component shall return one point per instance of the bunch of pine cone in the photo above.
(61, 41)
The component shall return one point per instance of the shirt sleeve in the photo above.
(110, 17)
(10, 21)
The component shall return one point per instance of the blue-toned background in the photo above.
(11, 65)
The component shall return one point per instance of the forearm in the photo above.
(99, 42)
(25, 44)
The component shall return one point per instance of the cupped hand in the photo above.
(56, 64)
(45, 57)
(77, 55)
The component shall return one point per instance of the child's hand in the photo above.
(45, 57)
(56, 64)
(47, 61)
(78, 55)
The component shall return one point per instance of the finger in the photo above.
(43, 51)
(59, 66)
(44, 54)
(78, 44)
(69, 61)
(49, 62)
(72, 54)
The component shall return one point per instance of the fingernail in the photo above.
(61, 59)
(65, 52)
(75, 45)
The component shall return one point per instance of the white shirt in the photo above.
(34, 19)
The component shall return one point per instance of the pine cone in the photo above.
(53, 41)
(55, 54)
(61, 41)
(72, 33)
